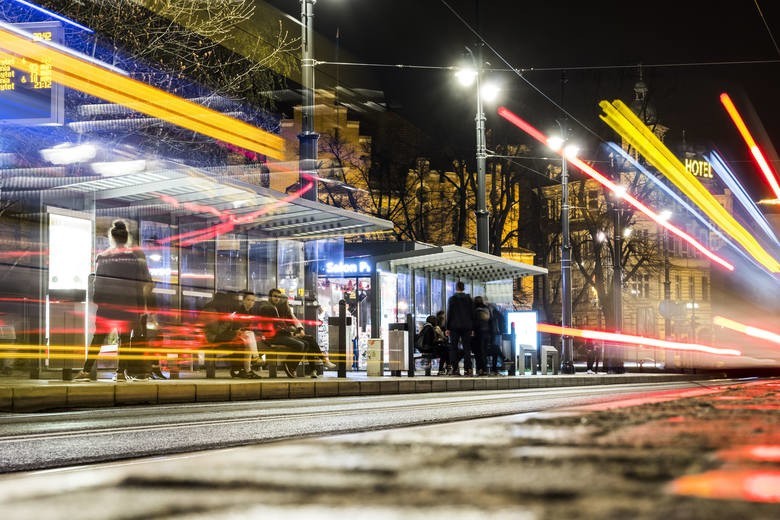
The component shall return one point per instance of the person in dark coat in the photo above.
(431, 340)
(312, 349)
(483, 331)
(120, 287)
(277, 331)
(459, 328)
(223, 332)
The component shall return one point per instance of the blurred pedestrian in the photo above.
(120, 286)
(591, 356)
(483, 331)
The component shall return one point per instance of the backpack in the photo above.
(419, 340)
(483, 314)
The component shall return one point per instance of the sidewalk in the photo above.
(21, 394)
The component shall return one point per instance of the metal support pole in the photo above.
(667, 288)
(308, 137)
(410, 330)
(342, 348)
(616, 358)
(482, 215)
(567, 348)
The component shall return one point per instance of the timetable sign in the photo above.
(27, 94)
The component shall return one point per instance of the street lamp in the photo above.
(567, 347)
(307, 139)
(468, 76)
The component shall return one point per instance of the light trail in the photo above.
(751, 143)
(623, 121)
(746, 329)
(730, 180)
(590, 171)
(613, 337)
(685, 205)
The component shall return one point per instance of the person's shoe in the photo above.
(158, 375)
(289, 370)
(590, 372)
(328, 365)
(468, 373)
(244, 374)
(313, 374)
(82, 377)
(122, 376)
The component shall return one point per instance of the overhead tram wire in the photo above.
(768, 29)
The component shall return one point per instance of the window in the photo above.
(231, 262)
(593, 200)
(639, 286)
(678, 287)
(705, 288)
(262, 266)
(692, 288)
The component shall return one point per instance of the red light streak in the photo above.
(229, 220)
(751, 143)
(635, 340)
(590, 171)
(748, 330)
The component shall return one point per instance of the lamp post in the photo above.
(615, 358)
(567, 347)
(467, 77)
(307, 139)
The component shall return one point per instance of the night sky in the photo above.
(595, 45)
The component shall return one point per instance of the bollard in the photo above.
(410, 328)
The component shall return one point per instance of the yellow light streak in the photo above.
(621, 119)
(82, 75)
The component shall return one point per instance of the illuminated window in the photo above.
(705, 288)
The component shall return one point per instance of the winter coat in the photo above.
(459, 312)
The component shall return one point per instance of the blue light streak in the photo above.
(53, 15)
(728, 178)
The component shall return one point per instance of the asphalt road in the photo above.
(50, 440)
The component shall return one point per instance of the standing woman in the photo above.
(121, 283)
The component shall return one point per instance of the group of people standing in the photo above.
(469, 328)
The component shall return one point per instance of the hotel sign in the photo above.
(699, 168)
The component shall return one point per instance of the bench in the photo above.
(429, 357)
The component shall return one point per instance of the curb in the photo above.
(40, 396)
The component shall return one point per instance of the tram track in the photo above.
(39, 441)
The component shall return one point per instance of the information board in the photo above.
(27, 94)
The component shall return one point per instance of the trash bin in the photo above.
(550, 359)
(398, 347)
(375, 357)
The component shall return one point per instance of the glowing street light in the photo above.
(468, 76)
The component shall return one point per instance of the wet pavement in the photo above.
(710, 452)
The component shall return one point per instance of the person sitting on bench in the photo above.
(222, 333)
(277, 332)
